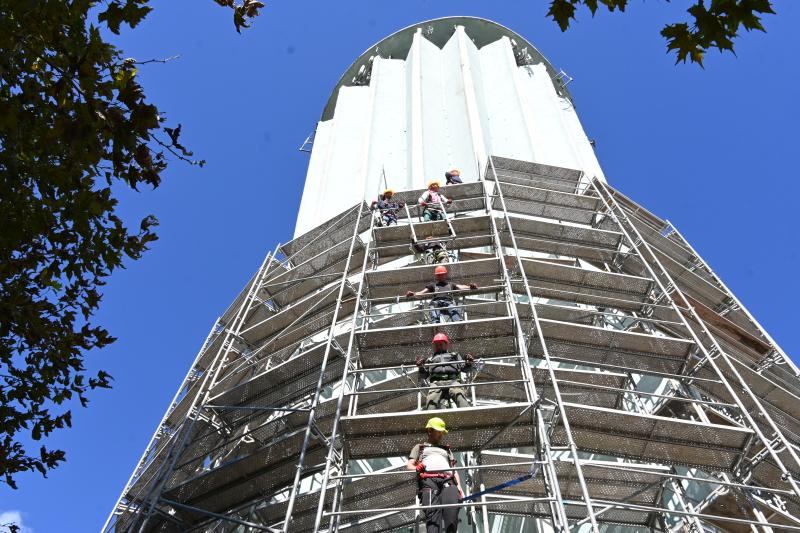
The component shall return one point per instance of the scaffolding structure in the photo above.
(613, 369)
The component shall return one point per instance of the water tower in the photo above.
(618, 385)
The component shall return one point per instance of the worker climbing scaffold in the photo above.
(432, 202)
(434, 251)
(442, 370)
(387, 208)
(453, 177)
(437, 483)
(443, 301)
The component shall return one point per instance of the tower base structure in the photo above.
(617, 379)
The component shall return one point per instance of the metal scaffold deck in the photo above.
(614, 383)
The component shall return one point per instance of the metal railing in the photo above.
(221, 425)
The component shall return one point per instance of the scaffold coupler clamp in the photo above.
(713, 352)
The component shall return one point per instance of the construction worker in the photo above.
(443, 301)
(387, 208)
(432, 202)
(437, 483)
(453, 177)
(442, 370)
(435, 250)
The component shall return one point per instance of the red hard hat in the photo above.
(440, 270)
(441, 337)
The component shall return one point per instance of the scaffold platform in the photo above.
(609, 362)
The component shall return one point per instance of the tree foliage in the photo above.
(715, 25)
(74, 121)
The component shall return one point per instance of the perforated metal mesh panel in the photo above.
(659, 439)
(629, 388)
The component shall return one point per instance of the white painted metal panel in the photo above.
(389, 143)
(506, 114)
(435, 109)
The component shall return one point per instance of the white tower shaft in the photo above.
(436, 108)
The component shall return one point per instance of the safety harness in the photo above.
(441, 475)
(433, 199)
(443, 292)
(387, 208)
(451, 361)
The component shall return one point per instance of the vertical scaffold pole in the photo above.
(324, 364)
(559, 517)
(140, 466)
(736, 300)
(556, 392)
(329, 459)
(209, 378)
(611, 204)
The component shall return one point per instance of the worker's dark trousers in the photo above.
(389, 219)
(448, 390)
(436, 491)
(444, 307)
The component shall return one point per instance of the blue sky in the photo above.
(711, 150)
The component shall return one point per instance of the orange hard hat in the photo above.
(440, 270)
(441, 337)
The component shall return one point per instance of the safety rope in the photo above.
(501, 486)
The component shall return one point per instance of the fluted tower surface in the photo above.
(433, 96)
(607, 380)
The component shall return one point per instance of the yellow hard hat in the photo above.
(455, 171)
(432, 183)
(437, 424)
(388, 191)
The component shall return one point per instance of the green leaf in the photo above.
(713, 24)
(74, 122)
(683, 42)
(562, 12)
